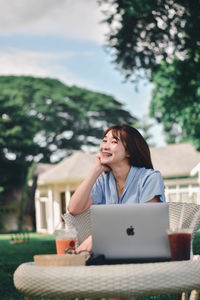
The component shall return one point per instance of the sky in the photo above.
(65, 39)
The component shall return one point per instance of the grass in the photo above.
(12, 255)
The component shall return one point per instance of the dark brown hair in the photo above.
(134, 144)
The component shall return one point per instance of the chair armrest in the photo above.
(82, 224)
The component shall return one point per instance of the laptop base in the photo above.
(102, 260)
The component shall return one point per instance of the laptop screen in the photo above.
(136, 231)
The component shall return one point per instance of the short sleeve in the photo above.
(152, 186)
(96, 193)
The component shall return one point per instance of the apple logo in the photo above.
(130, 230)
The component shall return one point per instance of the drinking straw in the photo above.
(181, 217)
(67, 225)
(63, 217)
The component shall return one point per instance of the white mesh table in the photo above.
(128, 280)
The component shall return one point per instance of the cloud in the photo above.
(23, 62)
(66, 18)
(40, 64)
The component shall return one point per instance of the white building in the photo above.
(179, 165)
(55, 187)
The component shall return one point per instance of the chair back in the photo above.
(184, 215)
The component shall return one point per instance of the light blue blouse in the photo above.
(141, 186)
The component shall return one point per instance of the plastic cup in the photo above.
(65, 238)
(180, 243)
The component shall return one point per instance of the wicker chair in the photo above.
(188, 212)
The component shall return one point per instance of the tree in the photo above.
(143, 32)
(162, 39)
(42, 119)
(176, 100)
(144, 125)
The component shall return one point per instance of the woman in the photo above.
(123, 173)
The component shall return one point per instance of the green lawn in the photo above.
(12, 255)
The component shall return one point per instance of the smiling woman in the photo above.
(122, 174)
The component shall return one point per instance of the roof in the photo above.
(41, 167)
(174, 160)
(74, 167)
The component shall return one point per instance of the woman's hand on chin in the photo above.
(105, 168)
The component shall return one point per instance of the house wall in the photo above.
(48, 203)
(182, 190)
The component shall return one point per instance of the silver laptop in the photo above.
(135, 232)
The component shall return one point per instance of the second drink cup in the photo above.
(180, 243)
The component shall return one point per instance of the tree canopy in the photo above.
(162, 39)
(40, 117)
(176, 101)
(143, 32)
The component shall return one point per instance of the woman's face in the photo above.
(112, 150)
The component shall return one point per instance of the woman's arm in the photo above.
(81, 200)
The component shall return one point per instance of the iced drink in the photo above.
(65, 238)
(62, 244)
(180, 243)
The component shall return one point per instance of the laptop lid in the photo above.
(135, 232)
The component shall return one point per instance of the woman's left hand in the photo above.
(86, 245)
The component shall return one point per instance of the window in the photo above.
(183, 186)
(63, 203)
(43, 217)
(171, 187)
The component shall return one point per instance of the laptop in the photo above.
(135, 232)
